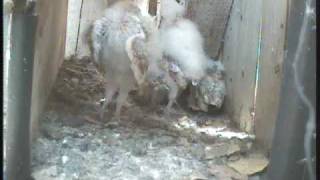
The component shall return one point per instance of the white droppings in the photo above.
(222, 132)
(75, 175)
(65, 159)
(155, 174)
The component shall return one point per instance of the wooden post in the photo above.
(240, 57)
(274, 17)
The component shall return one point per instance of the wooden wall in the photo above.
(211, 16)
(91, 10)
(252, 54)
(81, 15)
(274, 18)
(240, 55)
(49, 53)
(74, 11)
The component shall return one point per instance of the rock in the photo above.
(221, 149)
(253, 164)
(225, 173)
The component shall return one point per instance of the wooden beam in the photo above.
(240, 55)
(274, 17)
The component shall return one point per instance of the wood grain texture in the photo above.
(240, 55)
(211, 16)
(272, 53)
(74, 9)
(49, 53)
(91, 10)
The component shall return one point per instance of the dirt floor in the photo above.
(145, 144)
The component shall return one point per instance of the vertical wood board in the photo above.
(240, 55)
(91, 10)
(211, 16)
(272, 54)
(74, 9)
(49, 53)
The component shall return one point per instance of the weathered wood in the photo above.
(240, 54)
(270, 71)
(211, 16)
(49, 53)
(7, 6)
(74, 9)
(153, 7)
(91, 10)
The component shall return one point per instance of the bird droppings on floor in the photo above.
(139, 147)
(145, 144)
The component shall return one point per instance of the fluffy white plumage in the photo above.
(184, 43)
(121, 22)
(170, 10)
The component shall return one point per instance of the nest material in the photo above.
(79, 81)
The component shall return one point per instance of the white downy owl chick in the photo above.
(110, 35)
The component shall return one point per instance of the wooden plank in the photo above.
(153, 7)
(6, 58)
(49, 53)
(74, 9)
(91, 10)
(7, 7)
(211, 16)
(272, 54)
(240, 54)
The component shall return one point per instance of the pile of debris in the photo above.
(78, 82)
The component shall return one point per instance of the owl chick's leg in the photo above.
(110, 91)
(121, 99)
(173, 92)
